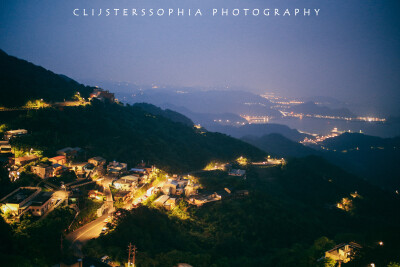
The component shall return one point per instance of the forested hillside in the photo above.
(289, 218)
(127, 134)
(21, 81)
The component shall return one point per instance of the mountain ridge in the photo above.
(22, 81)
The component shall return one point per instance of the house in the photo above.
(123, 196)
(17, 200)
(132, 178)
(5, 147)
(41, 203)
(343, 252)
(143, 168)
(79, 167)
(165, 201)
(170, 203)
(103, 95)
(97, 161)
(183, 183)
(59, 169)
(237, 172)
(43, 170)
(201, 199)
(14, 133)
(169, 187)
(25, 160)
(62, 160)
(116, 168)
(191, 189)
(126, 183)
(150, 191)
(122, 184)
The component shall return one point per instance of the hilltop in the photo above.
(280, 146)
(22, 81)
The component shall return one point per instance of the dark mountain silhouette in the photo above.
(167, 113)
(259, 130)
(21, 81)
(206, 119)
(360, 141)
(280, 146)
(213, 101)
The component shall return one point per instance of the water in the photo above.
(324, 126)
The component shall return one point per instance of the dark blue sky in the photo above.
(350, 51)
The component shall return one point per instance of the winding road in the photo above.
(93, 229)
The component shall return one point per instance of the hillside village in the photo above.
(126, 182)
(154, 175)
(69, 175)
(101, 190)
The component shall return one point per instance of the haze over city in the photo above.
(349, 51)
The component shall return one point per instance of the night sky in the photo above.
(351, 51)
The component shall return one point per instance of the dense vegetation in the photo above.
(167, 113)
(21, 81)
(127, 134)
(288, 219)
(377, 159)
(34, 243)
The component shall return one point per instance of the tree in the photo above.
(327, 262)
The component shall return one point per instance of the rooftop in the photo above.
(43, 165)
(130, 177)
(97, 158)
(29, 157)
(57, 158)
(137, 170)
(75, 164)
(351, 244)
(19, 195)
(41, 198)
(123, 181)
(161, 200)
(16, 131)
